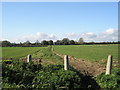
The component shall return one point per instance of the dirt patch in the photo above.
(85, 67)
(24, 59)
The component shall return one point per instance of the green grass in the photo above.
(17, 52)
(47, 56)
(89, 52)
(43, 53)
(86, 52)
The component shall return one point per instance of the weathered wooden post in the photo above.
(29, 58)
(66, 63)
(109, 65)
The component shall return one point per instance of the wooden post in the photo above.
(66, 63)
(109, 65)
(29, 58)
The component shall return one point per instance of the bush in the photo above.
(31, 75)
(8, 85)
(109, 81)
(61, 78)
(19, 73)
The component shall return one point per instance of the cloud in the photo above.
(108, 35)
(72, 35)
(38, 36)
(89, 36)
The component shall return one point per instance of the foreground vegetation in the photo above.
(30, 75)
(89, 52)
(109, 81)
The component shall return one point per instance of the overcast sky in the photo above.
(93, 21)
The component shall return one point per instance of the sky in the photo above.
(93, 21)
(60, 0)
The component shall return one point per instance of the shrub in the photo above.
(109, 81)
(31, 75)
(19, 73)
(61, 78)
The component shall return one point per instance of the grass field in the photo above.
(17, 52)
(89, 52)
(86, 52)
(43, 53)
(47, 56)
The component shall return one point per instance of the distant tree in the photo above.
(20, 44)
(118, 42)
(6, 43)
(50, 42)
(58, 42)
(37, 43)
(0, 43)
(72, 42)
(65, 41)
(81, 41)
(76, 43)
(13, 44)
(44, 42)
(92, 42)
(27, 43)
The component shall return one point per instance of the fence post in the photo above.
(109, 65)
(66, 63)
(52, 49)
(29, 58)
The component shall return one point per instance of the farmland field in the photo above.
(17, 52)
(89, 52)
(43, 53)
(86, 52)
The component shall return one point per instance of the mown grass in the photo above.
(89, 52)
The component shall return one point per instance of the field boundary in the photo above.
(85, 67)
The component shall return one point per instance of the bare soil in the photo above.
(85, 67)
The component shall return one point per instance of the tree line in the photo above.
(64, 41)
